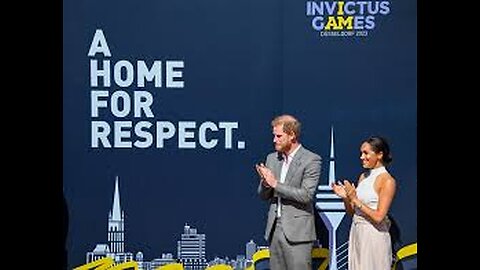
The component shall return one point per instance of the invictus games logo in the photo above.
(345, 18)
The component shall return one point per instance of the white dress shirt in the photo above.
(283, 173)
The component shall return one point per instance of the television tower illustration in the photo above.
(330, 208)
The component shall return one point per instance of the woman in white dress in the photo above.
(370, 246)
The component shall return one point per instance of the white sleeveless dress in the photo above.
(370, 246)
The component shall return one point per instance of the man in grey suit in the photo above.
(288, 181)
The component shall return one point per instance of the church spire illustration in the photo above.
(115, 247)
(116, 224)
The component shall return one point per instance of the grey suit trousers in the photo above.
(285, 255)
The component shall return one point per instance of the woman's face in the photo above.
(369, 158)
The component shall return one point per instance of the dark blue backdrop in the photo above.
(245, 62)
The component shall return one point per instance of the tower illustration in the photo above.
(116, 233)
(115, 248)
(191, 249)
(330, 207)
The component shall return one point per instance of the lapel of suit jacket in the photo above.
(294, 165)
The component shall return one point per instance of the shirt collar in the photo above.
(292, 154)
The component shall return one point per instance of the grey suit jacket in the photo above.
(297, 192)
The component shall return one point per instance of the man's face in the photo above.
(281, 140)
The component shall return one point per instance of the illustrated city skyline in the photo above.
(191, 246)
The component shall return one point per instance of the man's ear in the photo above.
(293, 137)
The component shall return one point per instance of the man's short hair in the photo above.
(290, 124)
